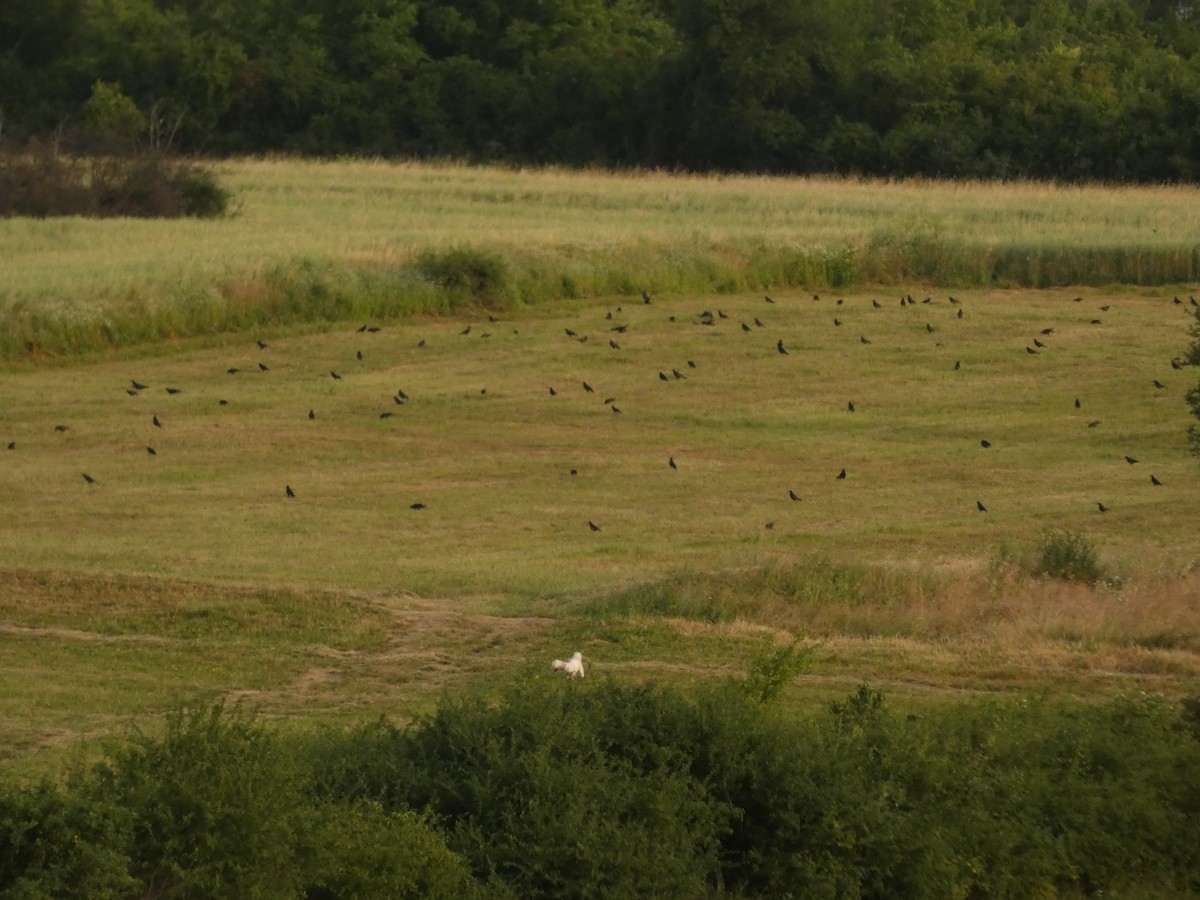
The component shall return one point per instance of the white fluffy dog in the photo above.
(573, 666)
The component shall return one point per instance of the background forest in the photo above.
(1063, 89)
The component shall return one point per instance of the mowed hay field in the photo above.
(188, 573)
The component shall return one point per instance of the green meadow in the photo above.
(464, 310)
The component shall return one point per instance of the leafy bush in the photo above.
(1067, 555)
(478, 275)
(213, 807)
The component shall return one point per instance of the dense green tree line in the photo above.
(589, 791)
(1072, 89)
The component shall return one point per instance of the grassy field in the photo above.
(188, 573)
(315, 242)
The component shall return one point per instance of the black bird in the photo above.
(574, 471)
(1102, 507)
(770, 526)
(374, 329)
(840, 301)
(609, 316)
(1176, 364)
(645, 298)
(262, 367)
(416, 506)
(1154, 481)
(779, 347)
(619, 329)
(261, 345)
(928, 328)
(793, 495)
(172, 390)
(1093, 423)
(1038, 343)
(876, 304)
(850, 406)
(957, 364)
(863, 340)
(88, 478)
(841, 476)
(721, 313)
(768, 299)
(151, 451)
(1095, 321)
(62, 428)
(816, 296)
(492, 319)
(691, 365)
(1130, 460)
(553, 392)
(671, 463)
(745, 327)
(233, 370)
(1104, 309)
(1158, 384)
(678, 374)
(131, 392)
(758, 322)
(614, 409)
(398, 400)
(362, 328)
(223, 402)
(312, 414)
(608, 400)
(138, 387)
(466, 330)
(592, 525)
(985, 444)
(12, 445)
(1047, 331)
(979, 506)
(402, 395)
(955, 300)
(1030, 350)
(837, 322)
(960, 314)
(289, 490)
(421, 342)
(385, 415)
(662, 376)
(569, 332)
(587, 387)
(614, 344)
(1078, 405)
(1178, 301)
(157, 424)
(336, 376)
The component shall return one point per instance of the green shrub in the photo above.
(58, 844)
(478, 275)
(1069, 556)
(213, 807)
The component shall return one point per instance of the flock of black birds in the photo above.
(705, 319)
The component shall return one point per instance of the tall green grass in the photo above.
(316, 242)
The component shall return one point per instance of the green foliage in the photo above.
(111, 114)
(212, 806)
(61, 844)
(953, 89)
(593, 790)
(773, 668)
(1067, 555)
(478, 275)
